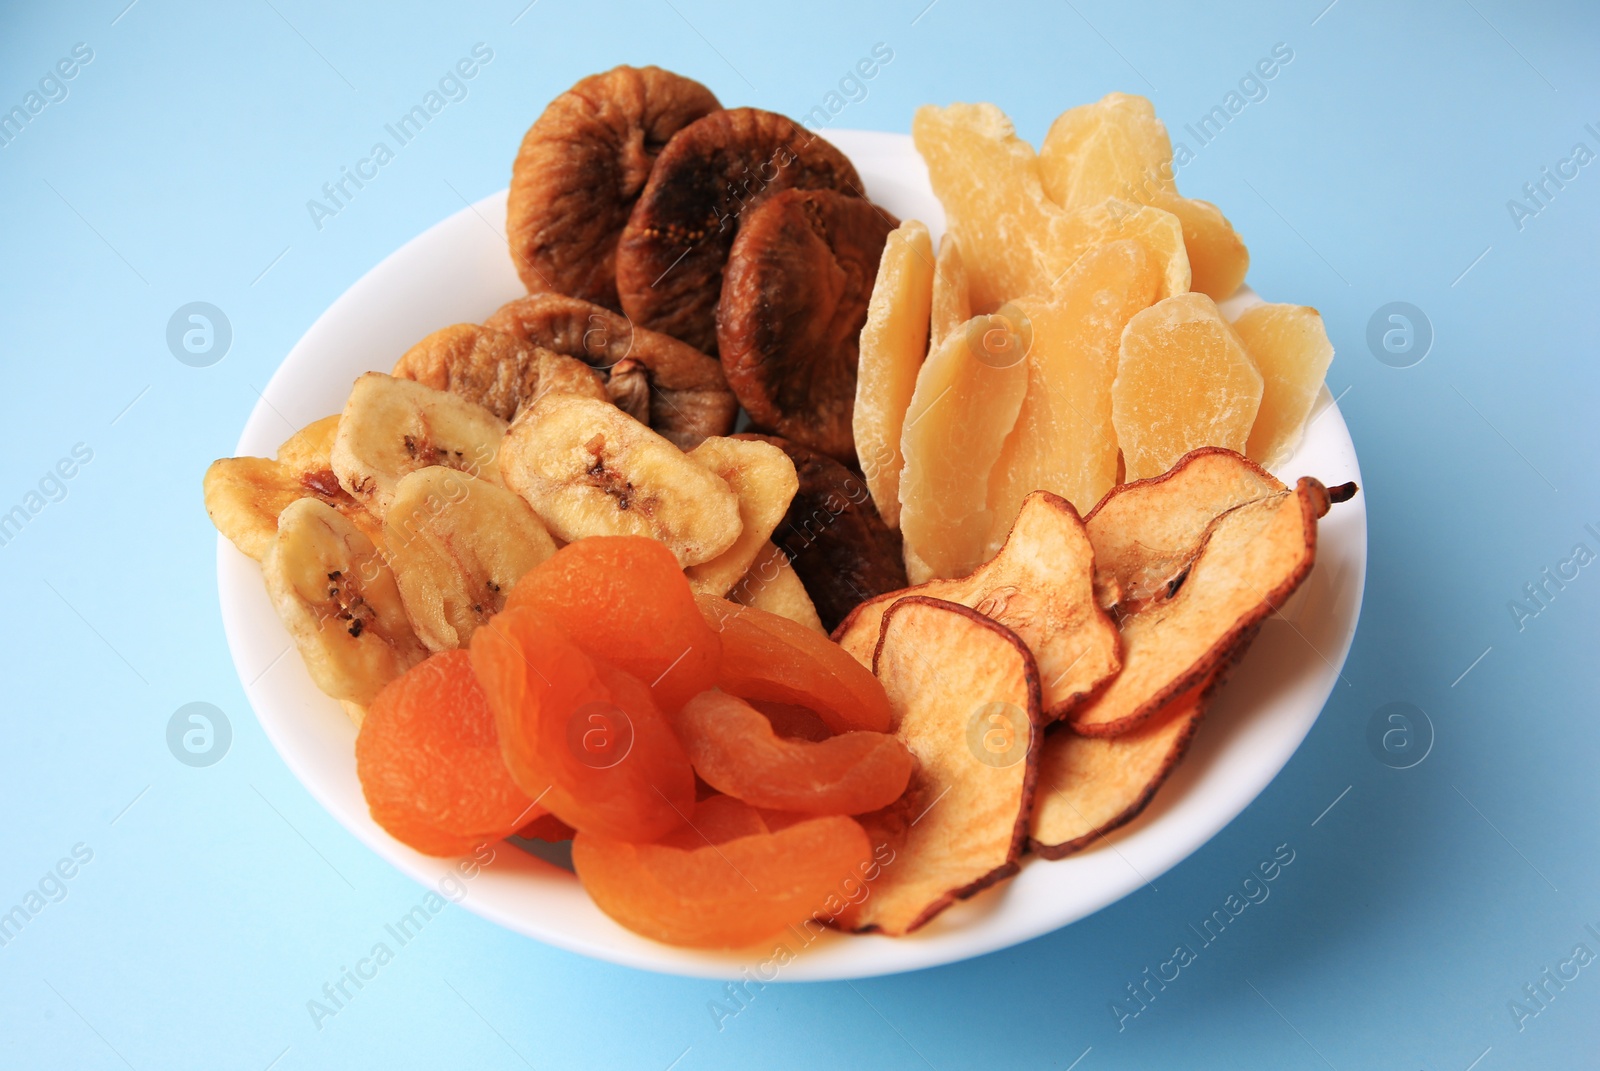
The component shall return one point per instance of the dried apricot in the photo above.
(725, 895)
(735, 748)
(716, 819)
(770, 658)
(583, 739)
(428, 757)
(624, 600)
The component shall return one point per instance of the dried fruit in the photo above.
(1116, 147)
(1184, 612)
(580, 169)
(894, 343)
(712, 172)
(587, 468)
(1015, 241)
(244, 496)
(772, 659)
(763, 478)
(428, 758)
(952, 295)
(773, 585)
(310, 448)
(394, 426)
(966, 699)
(726, 894)
(337, 598)
(583, 739)
(498, 371)
(673, 387)
(1091, 785)
(1038, 586)
(794, 298)
(833, 536)
(966, 401)
(1290, 348)
(1063, 439)
(457, 544)
(1183, 381)
(717, 819)
(624, 600)
(736, 750)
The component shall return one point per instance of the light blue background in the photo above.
(1377, 169)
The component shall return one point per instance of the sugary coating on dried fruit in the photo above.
(582, 166)
(428, 758)
(772, 585)
(833, 536)
(587, 469)
(1290, 348)
(763, 478)
(735, 749)
(457, 544)
(498, 371)
(725, 895)
(966, 699)
(682, 392)
(1116, 147)
(1183, 381)
(1040, 585)
(894, 343)
(772, 659)
(623, 599)
(585, 740)
(794, 299)
(712, 172)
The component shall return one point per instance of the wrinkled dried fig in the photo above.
(670, 259)
(833, 536)
(580, 170)
(688, 396)
(500, 372)
(794, 299)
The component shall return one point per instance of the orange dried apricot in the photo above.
(428, 758)
(770, 658)
(547, 827)
(716, 819)
(725, 895)
(583, 738)
(624, 599)
(736, 750)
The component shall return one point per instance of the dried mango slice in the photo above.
(723, 895)
(1116, 147)
(428, 757)
(1015, 240)
(1063, 440)
(735, 749)
(1290, 348)
(894, 343)
(1183, 381)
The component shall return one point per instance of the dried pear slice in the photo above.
(965, 693)
(587, 468)
(1039, 586)
(763, 478)
(773, 585)
(894, 343)
(1175, 633)
(1291, 350)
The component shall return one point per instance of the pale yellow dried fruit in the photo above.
(773, 585)
(244, 496)
(764, 479)
(952, 295)
(1183, 381)
(894, 344)
(310, 449)
(1290, 348)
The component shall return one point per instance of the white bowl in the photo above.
(459, 271)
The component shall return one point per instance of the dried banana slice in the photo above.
(587, 468)
(457, 544)
(244, 496)
(764, 479)
(308, 449)
(338, 599)
(394, 426)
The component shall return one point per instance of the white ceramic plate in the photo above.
(459, 271)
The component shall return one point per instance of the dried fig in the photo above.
(669, 262)
(794, 299)
(833, 536)
(688, 396)
(580, 170)
(498, 371)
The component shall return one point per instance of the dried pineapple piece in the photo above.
(1291, 350)
(952, 292)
